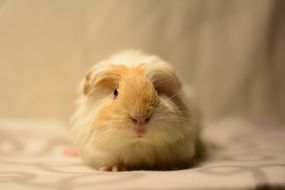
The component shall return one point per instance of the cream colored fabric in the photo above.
(244, 155)
(232, 51)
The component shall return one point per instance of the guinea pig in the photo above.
(135, 113)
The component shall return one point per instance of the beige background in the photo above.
(232, 51)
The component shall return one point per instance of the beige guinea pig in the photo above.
(135, 113)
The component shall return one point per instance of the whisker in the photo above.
(176, 94)
(179, 118)
(167, 80)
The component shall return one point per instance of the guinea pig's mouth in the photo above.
(140, 132)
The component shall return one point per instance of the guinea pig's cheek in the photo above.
(109, 139)
(125, 138)
(121, 135)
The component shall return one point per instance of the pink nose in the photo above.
(140, 119)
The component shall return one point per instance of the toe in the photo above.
(115, 168)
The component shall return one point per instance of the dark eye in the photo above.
(116, 92)
(157, 90)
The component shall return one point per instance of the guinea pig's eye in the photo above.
(116, 92)
(157, 90)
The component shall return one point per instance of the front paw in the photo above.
(114, 168)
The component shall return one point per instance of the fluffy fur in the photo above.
(103, 131)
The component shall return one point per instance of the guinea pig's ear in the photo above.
(163, 77)
(101, 80)
(168, 85)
